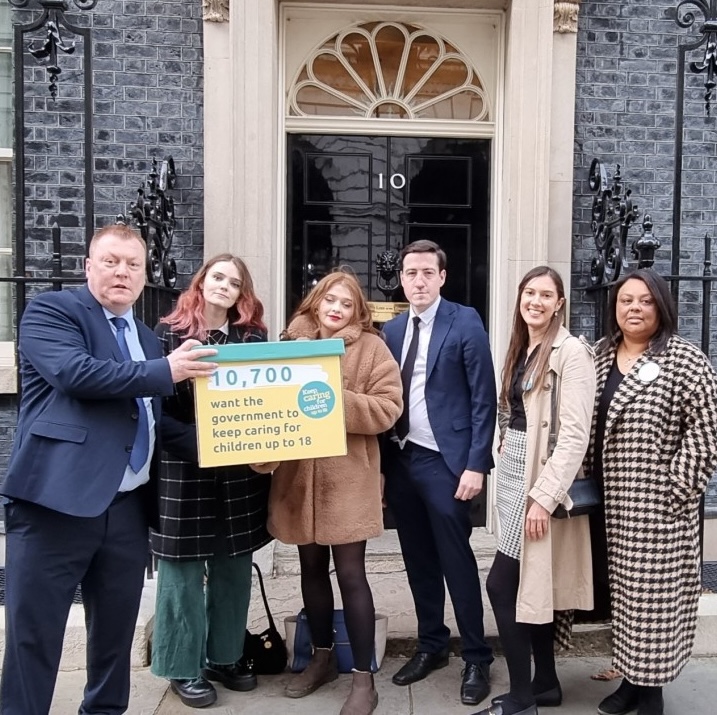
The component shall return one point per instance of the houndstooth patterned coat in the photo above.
(189, 497)
(659, 452)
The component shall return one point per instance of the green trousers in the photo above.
(196, 622)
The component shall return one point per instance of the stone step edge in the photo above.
(588, 641)
(383, 564)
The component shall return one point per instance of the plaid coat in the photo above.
(191, 499)
(659, 452)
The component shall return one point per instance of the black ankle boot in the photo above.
(194, 693)
(650, 702)
(624, 700)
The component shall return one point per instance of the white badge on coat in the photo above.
(648, 372)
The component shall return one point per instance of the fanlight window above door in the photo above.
(389, 70)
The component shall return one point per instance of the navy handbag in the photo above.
(342, 647)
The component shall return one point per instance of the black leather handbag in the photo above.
(584, 491)
(586, 497)
(265, 652)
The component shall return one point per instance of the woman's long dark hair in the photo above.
(666, 311)
(519, 336)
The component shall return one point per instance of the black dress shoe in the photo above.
(238, 676)
(195, 693)
(420, 666)
(475, 686)
(624, 700)
(552, 698)
(497, 709)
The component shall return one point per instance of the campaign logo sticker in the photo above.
(316, 399)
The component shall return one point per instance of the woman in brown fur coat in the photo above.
(334, 504)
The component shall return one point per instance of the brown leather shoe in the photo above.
(363, 698)
(321, 669)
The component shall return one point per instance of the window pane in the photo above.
(399, 72)
(5, 25)
(5, 257)
(5, 204)
(5, 100)
(6, 333)
(5, 301)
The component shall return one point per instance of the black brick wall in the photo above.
(146, 102)
(625, 114)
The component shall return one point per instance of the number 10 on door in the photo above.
(397, 181)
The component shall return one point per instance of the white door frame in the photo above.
(245, 139)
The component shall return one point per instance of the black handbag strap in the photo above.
(263, 596)
(553, 436)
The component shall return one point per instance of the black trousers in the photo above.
(434, 529)
(48, 555)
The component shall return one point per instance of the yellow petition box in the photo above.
(270, 402)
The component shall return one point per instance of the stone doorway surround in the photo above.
(245, 170)
(244, 140)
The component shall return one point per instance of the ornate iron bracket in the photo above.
(153, 214)
(54, 21)
(687, 18)
(613, 212)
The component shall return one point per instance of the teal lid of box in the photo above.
(244, 352)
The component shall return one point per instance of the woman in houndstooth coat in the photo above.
(654, 446)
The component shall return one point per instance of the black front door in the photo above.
(350, 198)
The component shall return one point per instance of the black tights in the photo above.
(518, 639)
(349, 560)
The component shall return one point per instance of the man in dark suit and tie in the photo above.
(80, 492)
(437, 462)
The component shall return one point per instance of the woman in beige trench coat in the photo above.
(333, 505)
(542, 564)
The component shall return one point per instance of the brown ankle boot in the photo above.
(363, 698)
(320, 670)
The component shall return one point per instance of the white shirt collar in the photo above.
(428, 314)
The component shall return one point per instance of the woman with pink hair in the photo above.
(211, 520)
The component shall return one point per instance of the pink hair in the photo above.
(188, 317)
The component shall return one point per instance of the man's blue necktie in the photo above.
(140, 449)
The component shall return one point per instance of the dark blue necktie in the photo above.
(406, 376)
(140, 449)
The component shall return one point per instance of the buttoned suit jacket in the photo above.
(460, 385)
(78, 412)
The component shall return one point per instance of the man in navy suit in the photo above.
(437, 462)
(80, 492)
